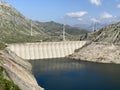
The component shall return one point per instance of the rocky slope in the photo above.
(18, 70)
(109, 34)
(5, 82)
(98, 52)
(16, 27)
(105, 48)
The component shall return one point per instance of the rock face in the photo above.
(109, 34)
(107, 52)
(18, 70)
(98, 52)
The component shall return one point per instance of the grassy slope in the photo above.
(6, 84)
(15, 27)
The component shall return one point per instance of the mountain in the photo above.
(110, 34)
(89, 27)
(15, 27)
(55, 30)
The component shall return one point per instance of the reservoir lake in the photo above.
(69, 74)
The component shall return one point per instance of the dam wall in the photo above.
(44, 50)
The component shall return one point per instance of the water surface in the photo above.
(68, 74)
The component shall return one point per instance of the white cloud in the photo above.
(77, 14)
(95, 20)
(96, 2)
(118, 6)
(106, 15)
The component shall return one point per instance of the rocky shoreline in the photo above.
(100, 52)
(18, 70)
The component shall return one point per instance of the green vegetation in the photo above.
(14, 28)
(6, 84)
(2, 45)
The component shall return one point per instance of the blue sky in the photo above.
(68, 11)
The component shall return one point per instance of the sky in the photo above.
(69, 11)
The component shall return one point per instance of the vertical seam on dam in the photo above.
(45, 50)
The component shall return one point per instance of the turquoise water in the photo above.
(68, 74)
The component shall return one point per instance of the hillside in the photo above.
(90, 25)
(15, 27)
(110, 34)
(15, 73)
(54, 31)
(6, 84)
(100, 52)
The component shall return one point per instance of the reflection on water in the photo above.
(66, 74)
(56, 65)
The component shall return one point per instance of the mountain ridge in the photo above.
(109, 34)
(16, 27)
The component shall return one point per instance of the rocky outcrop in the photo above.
(109, 34)
(18, 70)
(99, 52)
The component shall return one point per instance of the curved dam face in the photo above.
(45, 50)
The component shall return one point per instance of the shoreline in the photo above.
(18, 70)
(99, 52)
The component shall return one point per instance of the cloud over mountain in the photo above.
(77, 14)
(95, 20)
(106, 15)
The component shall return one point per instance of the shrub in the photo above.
(6, 84)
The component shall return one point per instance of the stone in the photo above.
(19, 70)
(98, 52)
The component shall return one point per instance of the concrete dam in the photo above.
(44, 50)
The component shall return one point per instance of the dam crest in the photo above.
(44, 50)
